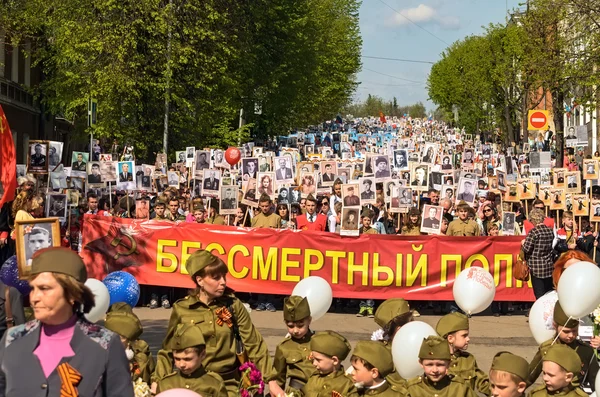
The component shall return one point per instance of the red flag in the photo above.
(8, 161)
(382, 117)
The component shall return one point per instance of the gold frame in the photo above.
(20, 231)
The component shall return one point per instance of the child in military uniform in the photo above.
(392, 315)
(372, 362)
(508, 375)
(561, 366)
(292, 355)
(188, 352)
(568, 330)
(454, 327)
(434, 357)
(121, 320)
(328, 350)
(366, 219)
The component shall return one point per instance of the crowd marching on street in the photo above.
(396, 176)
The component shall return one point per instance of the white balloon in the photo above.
(406, 345)
(101, 298)
(597, 384)
(578, 289)
(318, 293)
(541, 317)
(474, 290)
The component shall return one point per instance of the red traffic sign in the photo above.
(538, 119)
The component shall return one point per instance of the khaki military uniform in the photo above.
(449, 386)
(272, 221)
(175, 218)
(145, 362)
(570, 392)
(464, 365)
(220, 346)
(385, 390)
(292, 362)
(161, 218)
(585, 353)
(459, 227)
(216, 220)
(323, 385)
(370, 230)
(397, 383)
(207, 384)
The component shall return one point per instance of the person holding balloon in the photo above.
(60, 349)
(567, 330)
(230, 336)
(454, 327)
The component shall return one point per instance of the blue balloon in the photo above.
(9, 274)
(122, 287)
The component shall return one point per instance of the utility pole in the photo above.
(168, 84)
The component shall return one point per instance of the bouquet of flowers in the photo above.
(251, 382)
(595, 316)
(141, 388)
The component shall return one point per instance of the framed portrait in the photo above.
(350, 222)
(256, 150)
(79, 161)
(429, 154)
(350, 197)
(558, 175)
(264, 163)
(309, 150)
(511, 195)
(447, 191)
(249, 168)
(211, 182)
(581, 204)
(173, 179)
(180, 157)
(228, 203)
(447, 163)
(590, 169)
(493, 183)
(77, 183)
(595, 210)
(508, 223)
(573, 181)
(544, 195)
(344, 173)
(526, 189)
(501, 175)
(367, 190)
(557, 197)
(37, 162)
(32, 236)
(466, 191)
(202, 161)
(55, 152)
(400, 159)
(308, 183)
(284, 171)
(468, 158)
(94, 174)
(294, 194)
(266, 184)
(108, 171)
(142, 208)
(419, 176)
(448, 179)
(249, 193)
(56, 206)
(126, 177)
(388, 189)
(431, 221)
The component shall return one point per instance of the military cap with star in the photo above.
(331, 344)
(377, 355)
(434, 348)
(295, 308)
(564, 356)
(187, 335)
(511, 363)
(199, 260)
(389, 310)
(451, 323)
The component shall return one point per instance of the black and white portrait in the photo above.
(249, 168)
(57, 206)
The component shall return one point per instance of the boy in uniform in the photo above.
(372, 362)
(159, 210)
(561, 367)
(292, 355)
(328, 350)
(434, 357)
(568, 330)
(366, 217)
(188, 352)
(121, 320)
(454, 327)
(508, 375)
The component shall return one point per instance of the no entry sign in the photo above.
(537, 120)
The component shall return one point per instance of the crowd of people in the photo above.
(404, 176)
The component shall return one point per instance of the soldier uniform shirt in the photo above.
(272, 221)
(459, 227)
(464, 365)
(397, 383)
(370, 230)
(207, 384)
(383, 390)
(292, 361)
(589, 364)
(216, 220)
(449, 386)
(323, 385)
(570, 392)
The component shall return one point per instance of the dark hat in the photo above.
(199, 260)
(370, 182)
(367, 213)
(59, 260)
(199, 207)
(434, 348)
(295, 308)
(511, 363)
(389, 310)
(564, 356)
(187, 335)
(160, 202)
(351, 187)
(451, 323)
(560, 318)
(331, 344)
(376, 354)
(125, 324)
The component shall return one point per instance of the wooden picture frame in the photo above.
(31, 236)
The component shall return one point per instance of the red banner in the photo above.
(273, 261)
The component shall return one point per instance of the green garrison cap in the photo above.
(376, 354)
(389, 310)
(451, 323)
(511, 363)
(434, 348)
(295, 308)
(59, 260)
(120, 307)
(561, 318)
(564, 356)
(187, 335)
(331, 344)
(125, 324)
(199, 260)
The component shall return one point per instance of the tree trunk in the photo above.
(557, 104)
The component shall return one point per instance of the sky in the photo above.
(435, 25)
